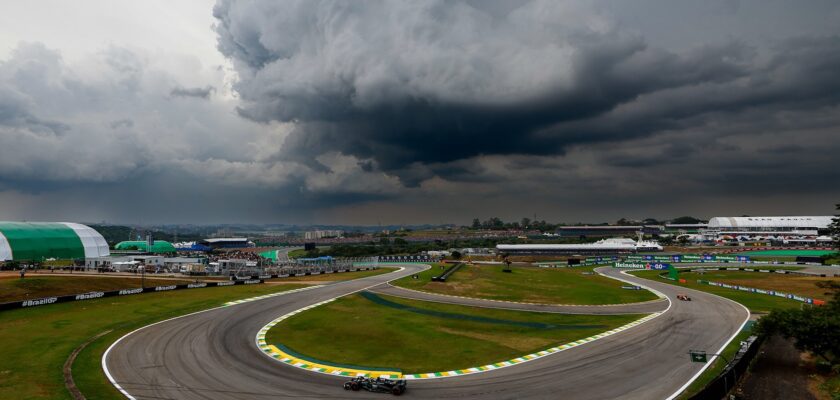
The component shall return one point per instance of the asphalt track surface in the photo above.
(212, 355)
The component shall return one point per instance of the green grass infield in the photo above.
(528, 284)
(37, 341)
(375, 331)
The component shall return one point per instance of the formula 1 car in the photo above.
(683, 297)
(377, 385)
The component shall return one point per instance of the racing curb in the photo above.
(277, 354)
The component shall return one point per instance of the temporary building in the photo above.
(39, 241)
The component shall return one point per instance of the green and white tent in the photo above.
(38, 241)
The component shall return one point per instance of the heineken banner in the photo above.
(763, 291)
(638, 265)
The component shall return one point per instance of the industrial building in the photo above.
(41, 241)
(605, 246)
(798, 230)
(313, 235)
(157, 247)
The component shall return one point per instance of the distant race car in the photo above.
(683, 297)
(377, 385)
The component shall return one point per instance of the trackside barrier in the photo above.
(248, 280)
(449, 271)
(123, 292)
(726, 381)
(762, 291)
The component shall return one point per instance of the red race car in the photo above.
(683, 297)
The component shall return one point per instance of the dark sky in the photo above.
(370, 112)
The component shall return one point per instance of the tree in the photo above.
(456, 255)
(815, 329)
(525, 223)
(834, 228)
(686, 220)
(476, 224)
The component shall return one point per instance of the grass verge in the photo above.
(755, 302)
(802, 285)
(417, 336)
(528, 284)
(13, 288)
(37, 341)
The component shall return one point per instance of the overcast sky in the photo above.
(366, 112)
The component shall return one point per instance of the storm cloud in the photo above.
(418, 85)
(425, 111)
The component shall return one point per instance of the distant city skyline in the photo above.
(413, 112)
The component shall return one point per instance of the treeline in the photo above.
(496, 223)
(400, 246)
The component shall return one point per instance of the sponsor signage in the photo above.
(619, 264)
(631, 287)
(762, 291)
(657, 266)
(133, 291)
(91, 295)
(38, 302)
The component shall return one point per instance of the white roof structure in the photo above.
(818, 222)
(94, 244)
(614, 244)
(225, 240)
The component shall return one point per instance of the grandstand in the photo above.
(777, 230)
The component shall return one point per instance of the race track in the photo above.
(212, 355)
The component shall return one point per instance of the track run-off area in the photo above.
(212, 354)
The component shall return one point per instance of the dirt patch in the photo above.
(777, 373)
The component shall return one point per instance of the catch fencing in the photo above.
(720, 387)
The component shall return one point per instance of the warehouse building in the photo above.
(777, 230)
(40, 241)
(157, 247)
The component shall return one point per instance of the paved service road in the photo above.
(646, 307)
(212, 355)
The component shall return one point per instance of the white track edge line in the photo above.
(105, 355)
